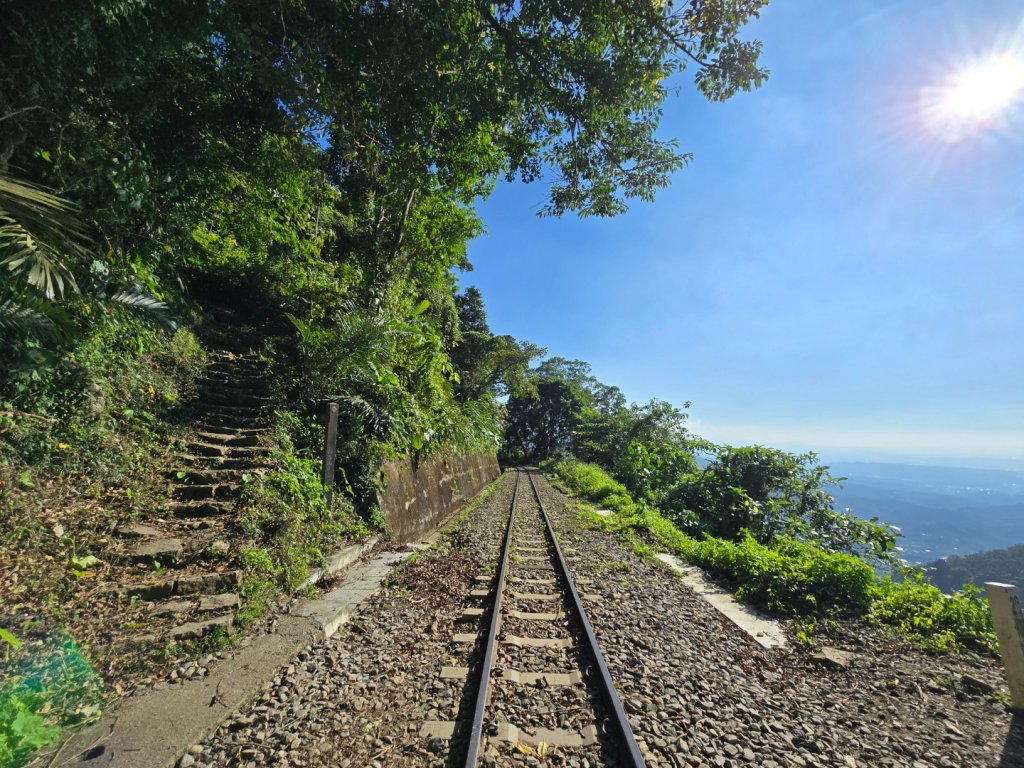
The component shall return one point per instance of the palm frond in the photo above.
(139, 298)
(33, 317)
(41, 236)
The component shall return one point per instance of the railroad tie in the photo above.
(533, 582)
(538, 642)
(527, 616)
(539, 596)
(544, 679)
(553, 737)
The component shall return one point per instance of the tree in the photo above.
(544, 425)
(472, 317)
(770, 493)
(324, 159)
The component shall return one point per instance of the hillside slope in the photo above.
(1003, 565)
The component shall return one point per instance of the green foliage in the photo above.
(394, 384)
(485, 364)
(795, 577)
(542, 425)
(322, 162)
(10, 641)
(41, 237)
(315, 155)
(790, 577)
(770, 494)
(568, 411)
(97, 408)
(649, 470)
(937, 621)
(288, 518)
(22, 731)
(594, 484)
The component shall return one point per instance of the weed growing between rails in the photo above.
(792, 577)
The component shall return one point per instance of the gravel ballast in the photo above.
(699, 692)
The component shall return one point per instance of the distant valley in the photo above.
(941, 511)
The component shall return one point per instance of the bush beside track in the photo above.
(795, 578)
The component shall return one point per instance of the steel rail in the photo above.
(483, 688)
(631, 755)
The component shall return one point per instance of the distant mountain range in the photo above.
(941, 511)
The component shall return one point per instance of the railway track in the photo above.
(535, 681)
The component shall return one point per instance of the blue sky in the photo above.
(829, 273)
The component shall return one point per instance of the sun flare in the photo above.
(982, 95)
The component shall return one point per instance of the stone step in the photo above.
(179, 606)
(204, 492)
(207, 583)
(240, 386)
(251, 379)
(226, 438)
(204, 476)
(231, 371)
(137, 531)
(232, 357)
(212, 583)
(195, 509)
(234, 410)
(233, 462)
(195, 630)
(225, 451)
(238, 380)
(223, 396)
(219, 419)
(163, 551)
(223, 601)
(236, 431)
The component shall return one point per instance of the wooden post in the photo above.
(330, 449)
(1008, 621)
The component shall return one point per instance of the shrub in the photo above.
(799, 578)
(789, 577)
(288, 516)
(937, 621)
(101, 404)
(594, 484)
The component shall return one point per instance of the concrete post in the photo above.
(1008, 621)
(330, 449)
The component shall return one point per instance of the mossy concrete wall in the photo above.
(418, 497)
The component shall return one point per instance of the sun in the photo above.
(982, 95)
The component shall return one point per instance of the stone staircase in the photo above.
(184, 560)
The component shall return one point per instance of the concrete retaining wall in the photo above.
(417, 498)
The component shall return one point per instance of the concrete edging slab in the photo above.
(763, 630)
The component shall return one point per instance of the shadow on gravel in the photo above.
(1013, 752)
